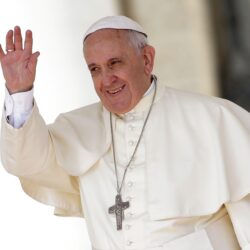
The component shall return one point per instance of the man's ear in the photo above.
(148, 56)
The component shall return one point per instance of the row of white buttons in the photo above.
(130, 184)
(129, 215)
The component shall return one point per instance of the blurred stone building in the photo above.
(231, 20)
(201, 45)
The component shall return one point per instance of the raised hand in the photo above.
(18, 63)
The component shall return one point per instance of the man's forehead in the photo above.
(108, 42)
(114, 22)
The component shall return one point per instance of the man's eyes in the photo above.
(111, 64)
(94, 69)
(116, 61)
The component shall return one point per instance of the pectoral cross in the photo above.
(118, 210)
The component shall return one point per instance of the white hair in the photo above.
(137, 39)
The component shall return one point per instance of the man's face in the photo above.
(121, 74)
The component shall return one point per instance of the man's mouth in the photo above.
(116, 90)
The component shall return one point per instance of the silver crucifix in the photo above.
(118, 210)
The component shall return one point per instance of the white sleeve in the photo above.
(239, 213)
(18, 107)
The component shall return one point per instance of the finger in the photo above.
(2, 54)
(9, 41)
(33, 61)
(18, 38)
(28, 42)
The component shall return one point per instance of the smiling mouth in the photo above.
(116, 91)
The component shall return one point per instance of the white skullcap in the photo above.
(114, 22)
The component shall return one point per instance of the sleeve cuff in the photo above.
(8, 103)
(18, 107)
(23, 101)
(19, 102)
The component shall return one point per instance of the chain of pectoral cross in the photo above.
(120, 206)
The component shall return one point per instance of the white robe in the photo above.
(197, 151)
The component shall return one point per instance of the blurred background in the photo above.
(201, 46)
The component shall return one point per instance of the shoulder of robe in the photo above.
(91, 111)
(203, 149)
(196, 105)
(192, 98)
(79, 138)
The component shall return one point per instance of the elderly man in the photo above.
(150, 167)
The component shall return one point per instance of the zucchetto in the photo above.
(114, 22)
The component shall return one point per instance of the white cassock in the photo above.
(189, 180)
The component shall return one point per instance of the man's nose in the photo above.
(108, 78)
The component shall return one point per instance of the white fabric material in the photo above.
(194, 157)
(240, 216)
(150, 89)
(221, 234)
(18, 107)
(139, 231)
(218, 169)
(194, 241)
(114, 22)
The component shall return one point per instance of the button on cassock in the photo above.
(129, 215)
(128, 198)
(130, 183)
(131, 127)
(129, 243)
(127, 227)
(129, 117)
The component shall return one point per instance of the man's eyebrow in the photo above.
(109, 60)
(115, 58)
(91, 65)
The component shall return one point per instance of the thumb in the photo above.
(1, 53)
(33, 61)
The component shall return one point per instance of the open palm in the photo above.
(18, 63)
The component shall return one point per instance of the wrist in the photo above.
(19, 90)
